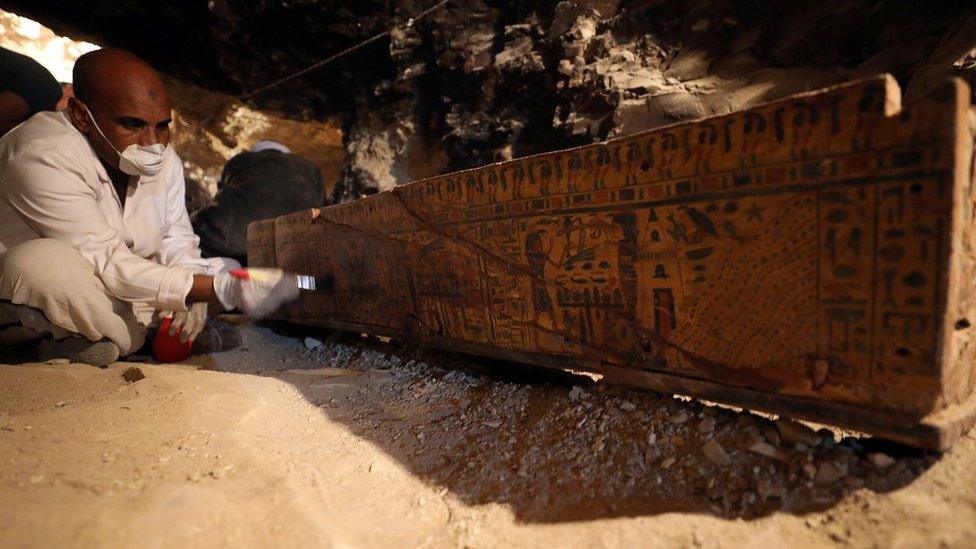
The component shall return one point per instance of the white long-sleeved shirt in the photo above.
(52, 185)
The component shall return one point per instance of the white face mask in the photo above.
(135, 160)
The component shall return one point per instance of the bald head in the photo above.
(125, 96)
(111, 74)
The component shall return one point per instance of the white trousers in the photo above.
(46, 287)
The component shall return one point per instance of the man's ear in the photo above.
(78, 115)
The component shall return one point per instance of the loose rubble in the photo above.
(715, 453)
(828, 472)
(767, 450)
(550, 447)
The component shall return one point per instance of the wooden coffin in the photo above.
(812, 257)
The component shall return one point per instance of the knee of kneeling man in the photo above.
(43, 258)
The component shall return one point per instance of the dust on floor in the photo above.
(343, 441)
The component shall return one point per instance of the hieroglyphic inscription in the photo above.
(799, 248)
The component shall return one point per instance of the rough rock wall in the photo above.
(485, 80)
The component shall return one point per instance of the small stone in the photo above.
(881, 460)
(651, 437)
(565, 67)
(715, 453)
(810, 470)
(575, 393)
(770, 434)
(854, 482)
(796, 433)
(311, 343)
(628, 406)
(494, 424)
(624, 56)
(677, 441)
(667, 463)
(58, 361)
(768, 489)
(679, 418)
(133, 374)
(766, 449)
(706, 425)
(636, 460)
(827, 473)
(745, 422)
(597, 446)
(61, 404)
(827, 439)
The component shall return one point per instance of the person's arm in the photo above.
(202, 290)
(255, 294)
(179, 246)
(48, 191)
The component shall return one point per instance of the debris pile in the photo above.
(555, 448)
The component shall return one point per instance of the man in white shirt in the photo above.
(95, 240)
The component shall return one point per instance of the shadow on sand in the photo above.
(558, 446)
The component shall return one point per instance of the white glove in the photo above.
(190, 321)
(255, 292)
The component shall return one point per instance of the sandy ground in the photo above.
(361, 443)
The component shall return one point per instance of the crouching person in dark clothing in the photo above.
(263, 183)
